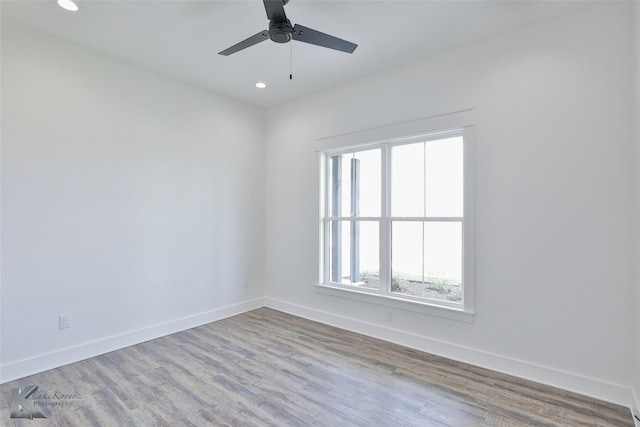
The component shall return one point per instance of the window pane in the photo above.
(444, 163)
(407, 180)
(336, 183)
(406, 252)
(427, 259)
(354, 253)
(355, 184)
(337, 263)
(443, 258)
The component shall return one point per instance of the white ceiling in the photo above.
(181, 38)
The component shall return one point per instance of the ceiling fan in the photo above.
(281, 31)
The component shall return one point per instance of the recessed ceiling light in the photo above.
(68, 5)
(261, 85)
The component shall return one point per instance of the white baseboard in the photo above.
(43, 362)
(602, 390)
(635, 410)
(613, 393)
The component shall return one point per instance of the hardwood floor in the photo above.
(267, 368)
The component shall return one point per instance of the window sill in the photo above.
(427, 308)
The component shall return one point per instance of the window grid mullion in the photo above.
(354, 218)
(424, 198)
(326, 270)
(385, 225)
(428, 219)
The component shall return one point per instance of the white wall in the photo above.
(554, 199)
(132, 201)
(636, 360)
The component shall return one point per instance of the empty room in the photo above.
(330, 213)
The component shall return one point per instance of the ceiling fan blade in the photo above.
(275, 10)
(255, 39)
(308, 35)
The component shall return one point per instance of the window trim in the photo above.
(433, 128)
(421, 307)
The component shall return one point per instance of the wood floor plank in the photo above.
(267, 368)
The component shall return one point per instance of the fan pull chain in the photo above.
(291, 60)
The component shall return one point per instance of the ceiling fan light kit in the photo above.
(69, 5)
(281, 31)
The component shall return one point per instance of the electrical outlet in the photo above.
(64, 321)
(247, 285)
(388, 316)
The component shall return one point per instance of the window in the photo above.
(395, 219)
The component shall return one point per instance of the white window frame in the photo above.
(434, 128)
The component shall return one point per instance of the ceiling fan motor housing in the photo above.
(280, 31)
